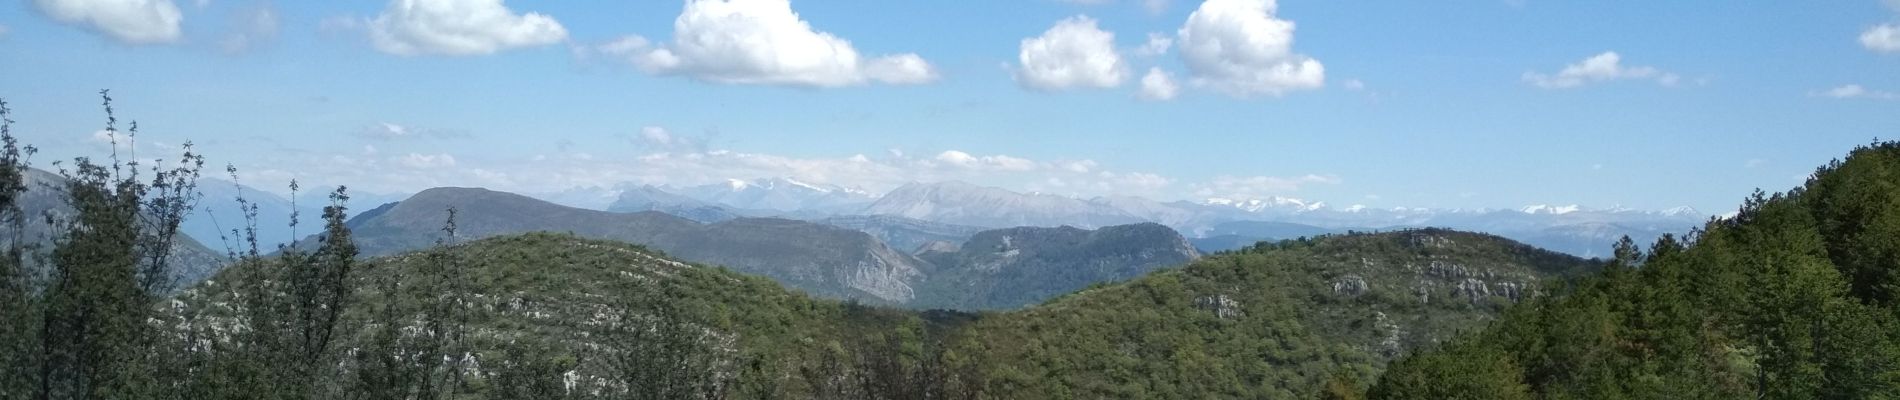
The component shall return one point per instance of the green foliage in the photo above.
(1278, 320)
(19, 308)
(83, 327)
(1453, 372)
(1791, 298)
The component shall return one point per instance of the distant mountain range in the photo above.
(831, 258)
(1570, 229)
(1009, 268)
(967, 204)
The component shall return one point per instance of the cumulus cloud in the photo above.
(127, 21)
(1854, 91)
(1604, 67)
(459, 28)
(1072, 54)
(1158, 85)
(1884, 38)
(1240, 48)
(996, 162)
(763, 42)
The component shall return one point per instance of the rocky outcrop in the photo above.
(1222, 306)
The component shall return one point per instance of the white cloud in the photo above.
(424, 161)
(656, 135)
(394, 131)
(1604, 67)
(250, 29)
(128, 21)
(763, 42)
(408, 172)
(1240, 48)
(996, 162)
(1853, 91)
(1354, 85)
(1072, 54)
(3, 31)
(1158, 85)
(459, 28)
(1884, 38)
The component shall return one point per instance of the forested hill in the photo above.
(1271, 321)
(1795, 297)
(516, 314)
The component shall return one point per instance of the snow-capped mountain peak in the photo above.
(783, 194)
(1550, 209)
(1684, 211)
(815, 188)
(1263, 204)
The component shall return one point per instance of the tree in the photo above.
(291, 305)
(417, 349)
(19, 308)
(657, 351)
(109, 266)
(1463, 371)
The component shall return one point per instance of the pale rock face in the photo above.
(886, 280)
(1350, 285)
(1222, 306)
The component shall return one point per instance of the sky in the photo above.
(1450, 104)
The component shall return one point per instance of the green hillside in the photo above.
(1273, 321)
(1792, 298)
(580, 304)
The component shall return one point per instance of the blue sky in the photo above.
(1404, 103)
